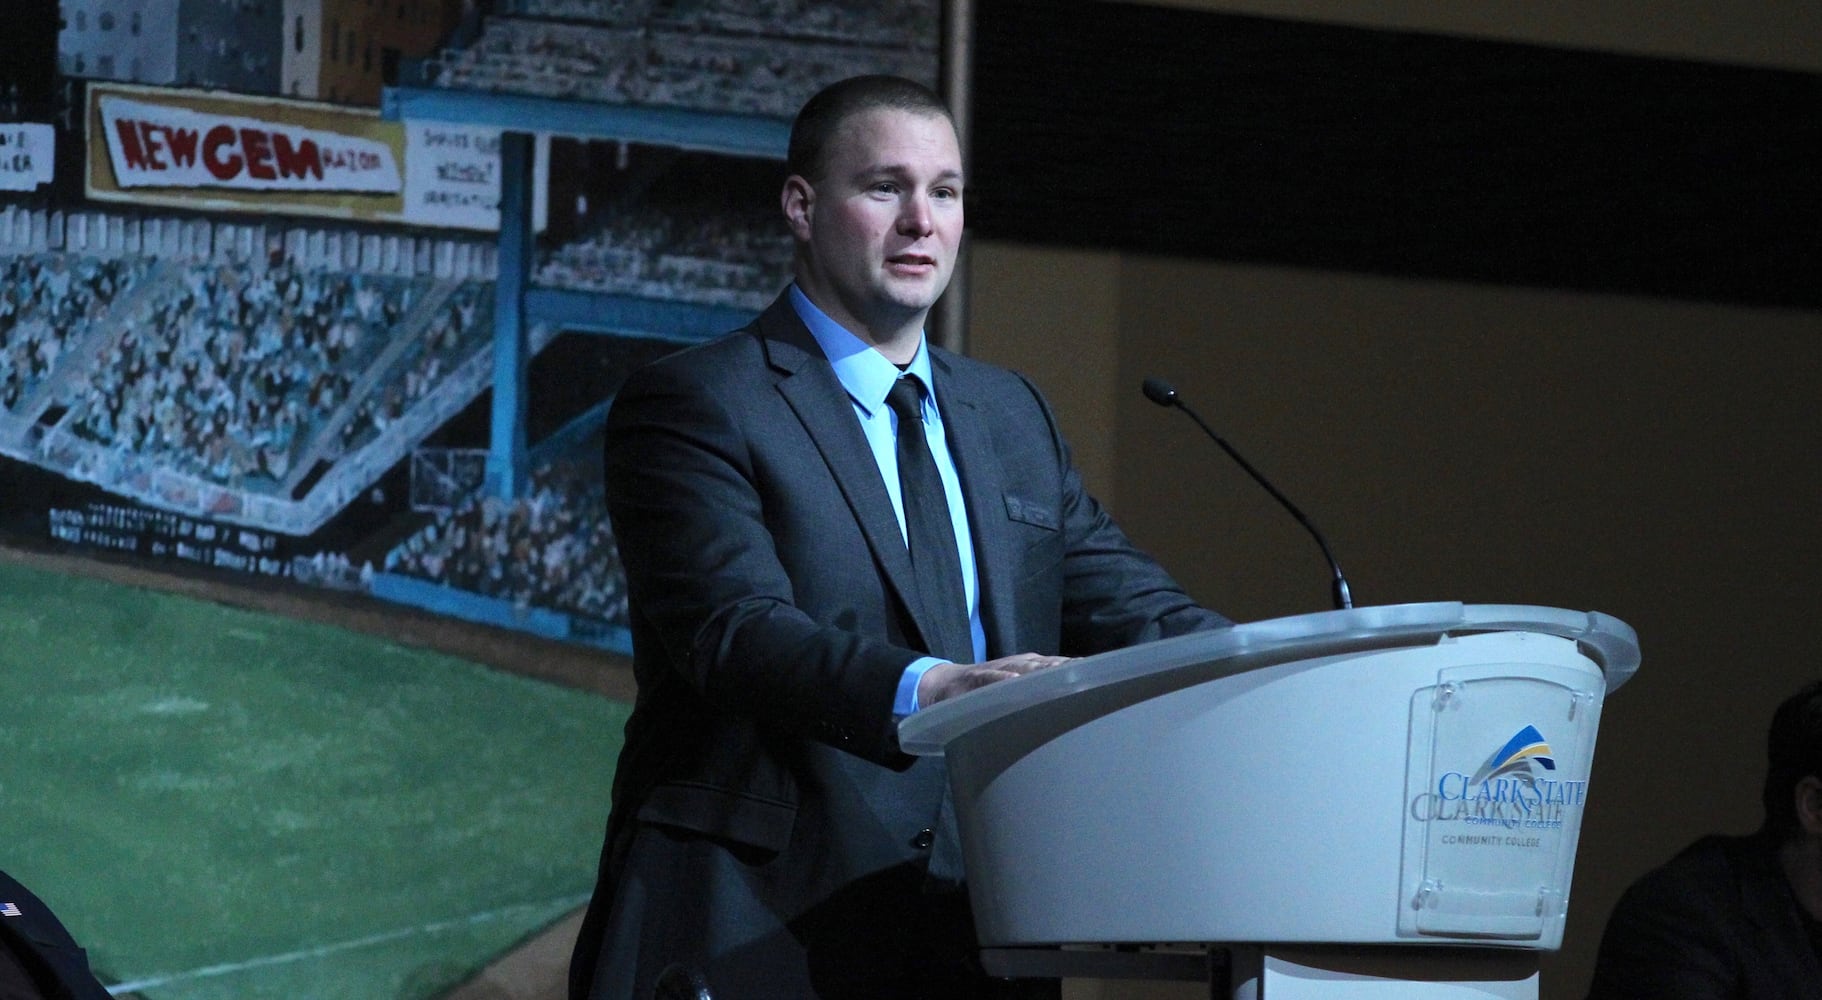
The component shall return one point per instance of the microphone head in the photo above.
(1159, 391)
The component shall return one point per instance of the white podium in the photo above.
(1380, 802)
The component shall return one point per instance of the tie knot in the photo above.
(906, 398)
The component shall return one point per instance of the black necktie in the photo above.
(930, 532)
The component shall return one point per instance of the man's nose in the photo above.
(914, 215)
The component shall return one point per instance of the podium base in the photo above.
(1261, 972)
(1170, 964)
(1268, 973)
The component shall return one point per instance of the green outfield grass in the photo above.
(227, 804)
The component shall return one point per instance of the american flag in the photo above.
(9, 910)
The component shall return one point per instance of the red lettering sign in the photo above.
(178, 146)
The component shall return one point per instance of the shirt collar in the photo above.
(863, 372)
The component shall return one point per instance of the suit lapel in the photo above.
(809, 386)
(983, 493)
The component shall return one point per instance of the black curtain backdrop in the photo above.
(1248, 139)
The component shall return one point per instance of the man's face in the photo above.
(878, 232)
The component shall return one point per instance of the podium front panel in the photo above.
(1289, 803)
(1491, 834)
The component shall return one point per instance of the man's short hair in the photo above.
(823, 114)
(1793, 752)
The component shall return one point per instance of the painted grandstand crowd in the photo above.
(723, 55)
(717, 257)
(551, 548)
(225, 371)
(155, 355)
(456, 331)
(46, 301)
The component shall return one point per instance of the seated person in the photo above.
(1734, 917)
(38, 958)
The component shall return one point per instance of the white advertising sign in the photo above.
(157, 145)
(27, 154)
(452, 175)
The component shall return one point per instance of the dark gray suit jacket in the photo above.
(1717, 922)
(774, 613)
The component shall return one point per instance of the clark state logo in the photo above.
(1512, 789)
(1525, 749)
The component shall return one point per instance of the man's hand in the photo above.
(946, 680)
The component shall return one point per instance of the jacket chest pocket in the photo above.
(1037, 528)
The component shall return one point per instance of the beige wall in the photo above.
(1057, 312)
(1654, 460)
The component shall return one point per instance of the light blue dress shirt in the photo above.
(868, 376)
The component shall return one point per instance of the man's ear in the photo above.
(1807, 797)
(799, 200)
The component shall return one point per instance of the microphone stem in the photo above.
(1338, 588)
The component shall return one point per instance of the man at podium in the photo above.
(827, 524)
(1734, 918)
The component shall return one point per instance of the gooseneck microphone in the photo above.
(1164, 394)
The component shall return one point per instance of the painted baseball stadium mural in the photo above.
(253, 255)
(335, 293)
